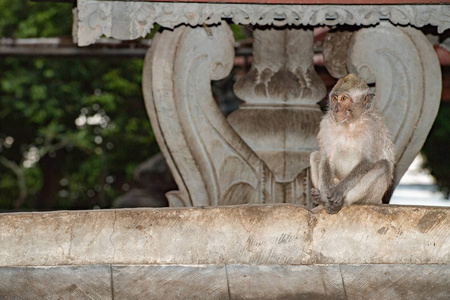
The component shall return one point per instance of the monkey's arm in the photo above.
(326, 174)
(355, 175)
(321, 176)
(366, 176)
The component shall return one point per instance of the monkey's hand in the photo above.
(315, 196)
(319, 197)
(335, 198)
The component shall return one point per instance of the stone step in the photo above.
(240, 252)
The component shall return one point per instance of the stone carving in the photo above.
(280, 117)
(406, 72)
(130, 20)
(209, 161)
(262, 153)
(335, 48)
(216, 161)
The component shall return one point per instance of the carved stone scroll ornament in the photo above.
(210, 162)
(261, 154)
(130, 20)
(405, 70)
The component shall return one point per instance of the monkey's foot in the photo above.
(332, 210)
(333, 207)
(335, 200)
(315, 196)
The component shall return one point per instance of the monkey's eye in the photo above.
(344, 98)
(334, 98)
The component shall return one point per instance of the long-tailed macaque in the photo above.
(355, 161)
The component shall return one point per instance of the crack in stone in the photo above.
(112, 281)
(71, 243)
(228, 281)
(110, 237)
(343, 283)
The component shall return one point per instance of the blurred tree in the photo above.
(71, 130)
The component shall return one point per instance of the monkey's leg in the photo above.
(314, 161)
(321, 177)
(372, 186)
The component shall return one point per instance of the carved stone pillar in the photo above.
(261, 153)
(280, 117)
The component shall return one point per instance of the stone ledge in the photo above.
(227, 282)
(239, 235)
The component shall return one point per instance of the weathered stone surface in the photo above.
(386, 282)
(59, 238)
(383, 234)
(170, 282)
(285, 282)
(67, 282)
(335, 48)
(309, 282)
(240, 252)
(270, 234)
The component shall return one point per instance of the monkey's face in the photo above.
(349, 98)
(348, 107)
(341, 105)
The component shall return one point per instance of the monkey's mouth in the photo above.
(341, 117)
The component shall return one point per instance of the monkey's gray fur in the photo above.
(355, 161)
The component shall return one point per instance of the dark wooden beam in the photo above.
(64, 47)
(65, 1)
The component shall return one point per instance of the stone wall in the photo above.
(236, 252)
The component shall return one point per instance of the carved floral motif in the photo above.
(130, 20)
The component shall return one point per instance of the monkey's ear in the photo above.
(368, 99)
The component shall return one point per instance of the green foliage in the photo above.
(71, 130)
(436, 149)
(238, 32)
(27, 19)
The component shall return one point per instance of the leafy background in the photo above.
(72, 130)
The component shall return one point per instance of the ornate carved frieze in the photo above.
(131, 20)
